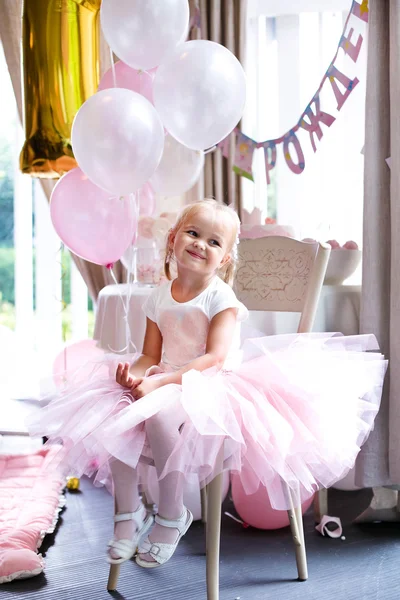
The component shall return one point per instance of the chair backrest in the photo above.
(277, 273)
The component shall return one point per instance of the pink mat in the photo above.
(30, 501)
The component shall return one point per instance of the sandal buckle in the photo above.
(152, 551)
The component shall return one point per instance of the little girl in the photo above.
(291, 409)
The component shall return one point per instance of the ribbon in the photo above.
(323, 529)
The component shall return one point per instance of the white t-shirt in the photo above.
(184, 325)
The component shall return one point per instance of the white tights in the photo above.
(162, 434)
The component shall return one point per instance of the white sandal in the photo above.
(161, 551)
(127, 548)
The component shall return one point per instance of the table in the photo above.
(339, 310)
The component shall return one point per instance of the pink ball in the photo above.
(256, 509)
(334, 244)
(91, 223)
(350, 245)
(135, 80)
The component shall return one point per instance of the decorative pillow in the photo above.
(30, 501)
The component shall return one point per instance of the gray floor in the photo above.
(255, 565)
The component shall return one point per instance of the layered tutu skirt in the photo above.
(295, 410)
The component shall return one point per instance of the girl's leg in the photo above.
(163, 433)
(127, 499)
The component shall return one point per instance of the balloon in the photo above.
(143, 32)
(61, 70)
(191, 492)
(200, 93)
(130, 79)
(73, 356)
(90, 223)
(178, 170)
(147, 201)
(118, 140)
(256, 509)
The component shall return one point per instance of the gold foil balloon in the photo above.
(60, 46)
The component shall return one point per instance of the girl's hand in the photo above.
(123, 377)
(143, 386)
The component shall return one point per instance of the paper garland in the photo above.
(312, 117)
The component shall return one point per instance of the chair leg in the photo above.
(213, 529)
(296, 526)
(320, 504)
(203, 501)
(113, 578)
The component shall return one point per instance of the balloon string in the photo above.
(126, 306)
(113, 69)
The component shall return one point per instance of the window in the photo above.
(43, 298)
(289, 48)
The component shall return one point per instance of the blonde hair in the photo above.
(227, 271)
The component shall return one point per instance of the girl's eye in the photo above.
(214, 243)
(191, 232)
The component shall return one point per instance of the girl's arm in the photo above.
(219, 340)
(151, 355)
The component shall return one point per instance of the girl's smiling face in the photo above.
(203, 242)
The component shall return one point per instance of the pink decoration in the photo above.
(244, 156)
(253, 232)
(224, 145)
(360, 10)
(352, 50)
(314, 127)
(31, 498)
(256, 509)
(130, 79)
(334, 244)
(296, 167)
(147, 202)
(251, 218)
(350, 245)
(270, 158)
(145, 227)
(349, 85)
(74, 356)
(90, 223)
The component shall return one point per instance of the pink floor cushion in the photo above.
(30, 501)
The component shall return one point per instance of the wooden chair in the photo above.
(284, 275)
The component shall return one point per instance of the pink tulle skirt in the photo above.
(296, 410)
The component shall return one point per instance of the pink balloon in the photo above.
(72, 357)
(147, 202)
(256, 509)
(93, 225)
(130, 79)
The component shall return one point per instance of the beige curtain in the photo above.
(222, 21)
(379, 460)
(95, 277)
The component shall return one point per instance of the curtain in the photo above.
(222, 21)
(95, 276)
(379, 460)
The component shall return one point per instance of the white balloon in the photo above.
(118, 140)
(179, 168)
(143, 32)
(200, 93)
